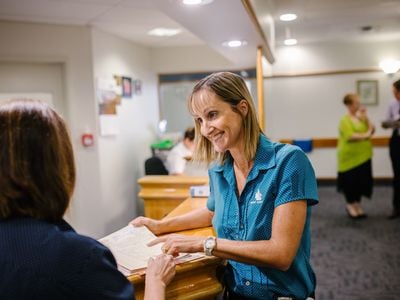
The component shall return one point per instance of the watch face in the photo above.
(210, 243)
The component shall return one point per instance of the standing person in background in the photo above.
(41, 256)
(181, 153)
(393, 121)
(354, 152)
(260, 203)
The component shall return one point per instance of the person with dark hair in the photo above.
(354, 153)
(392, 121)
(42, 257)
(260, 203)
(179, 155)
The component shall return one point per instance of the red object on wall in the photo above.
(87, 140)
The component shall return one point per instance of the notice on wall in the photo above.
(108, 125)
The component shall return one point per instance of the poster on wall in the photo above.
(108, 97)
(137, 87)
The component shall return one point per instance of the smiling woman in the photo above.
(261, 195)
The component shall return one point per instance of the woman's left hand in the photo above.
(179, 243)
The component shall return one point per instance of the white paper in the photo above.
(129, 246)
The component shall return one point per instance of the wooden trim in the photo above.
(324, 143)
(322, 73)
(260, 89)
(377, 141)
(324, 181)
(265, 47)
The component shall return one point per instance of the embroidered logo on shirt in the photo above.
(258, 196)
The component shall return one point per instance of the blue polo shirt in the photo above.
(281, 173)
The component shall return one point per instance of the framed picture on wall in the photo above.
(368, 91)
(126, 87)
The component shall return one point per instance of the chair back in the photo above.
(154, 166)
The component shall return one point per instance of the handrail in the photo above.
(377, 141)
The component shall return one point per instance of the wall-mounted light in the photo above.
(390, 66)
(234, 43)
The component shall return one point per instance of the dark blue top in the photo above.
(280, 174)
(40, 260)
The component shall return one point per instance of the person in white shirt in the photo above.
(181, 153)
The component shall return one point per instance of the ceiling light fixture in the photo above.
(163, 32)
(289, 41)
(390, 66)
(196, 2)
(234, 43)
(288, 17)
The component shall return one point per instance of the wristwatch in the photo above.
(209, 244)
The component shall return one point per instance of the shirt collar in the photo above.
(264, 159)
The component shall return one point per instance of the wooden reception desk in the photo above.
(194, 279)
(162, 193)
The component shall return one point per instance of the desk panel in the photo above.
(162, 193)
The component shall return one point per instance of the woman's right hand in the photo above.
(161, 269)
(160, 272)
(151, 224)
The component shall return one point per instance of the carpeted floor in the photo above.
(355, 259)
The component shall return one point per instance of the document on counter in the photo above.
(129, 247)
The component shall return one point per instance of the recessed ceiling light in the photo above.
(288, 17)
(196, 2)
(163, 31)
(290, 42)
(234, 43)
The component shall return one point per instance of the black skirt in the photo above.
(356, 182)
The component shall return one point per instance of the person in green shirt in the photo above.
(354, 153)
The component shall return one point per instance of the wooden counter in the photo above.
(194, 279)
(162, 193)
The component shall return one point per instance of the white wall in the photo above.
(32, 80)
(309, 107)
(70, 46)
(121, 157)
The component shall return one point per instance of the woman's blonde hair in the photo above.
(231, 89)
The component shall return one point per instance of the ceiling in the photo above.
(219, 21)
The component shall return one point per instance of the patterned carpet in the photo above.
(356, 259)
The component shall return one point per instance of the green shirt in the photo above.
(352, 153)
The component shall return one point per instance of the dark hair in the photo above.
(396, 85)
(349, 98)
(37, 170)
(232, 89)
(189, 134)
